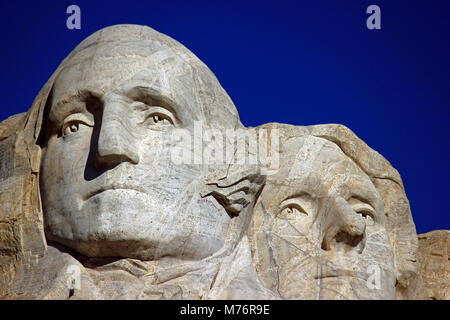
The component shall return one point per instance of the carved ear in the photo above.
(236, 191)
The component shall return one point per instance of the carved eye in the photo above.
(155, 116)
(292, 211)
(160, 119)
(368, 216)
(369, 220)
(73, 122)
(366, 211)
(70, 128)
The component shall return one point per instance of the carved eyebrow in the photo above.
(362, 191)
(63, 109)
(363, 204)
(303, 201)
(360, 198)
(366, 202)
(294, 197)
(70, 105)
(298, 195)
(150, 97)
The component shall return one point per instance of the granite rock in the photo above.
(434, 253)
(124, 180)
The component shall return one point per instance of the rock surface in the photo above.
(434, 258)
(99, 201)
(312, 160)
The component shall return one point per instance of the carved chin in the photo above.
(113, 223)
(124, 245)
(129, 224)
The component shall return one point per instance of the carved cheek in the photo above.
(65, 160)
(76, 149)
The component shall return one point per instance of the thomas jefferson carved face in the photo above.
(108, 185)
(325, 220)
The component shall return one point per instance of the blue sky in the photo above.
(297, 62)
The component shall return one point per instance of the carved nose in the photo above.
(116, 143)
(344, 228)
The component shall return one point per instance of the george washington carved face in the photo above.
(108, 185)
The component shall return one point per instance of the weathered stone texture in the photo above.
(88, 185)
(434, 258)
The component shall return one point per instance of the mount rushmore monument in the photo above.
(132, 177)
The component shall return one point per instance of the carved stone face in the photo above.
(326, 224)
(108, 185)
